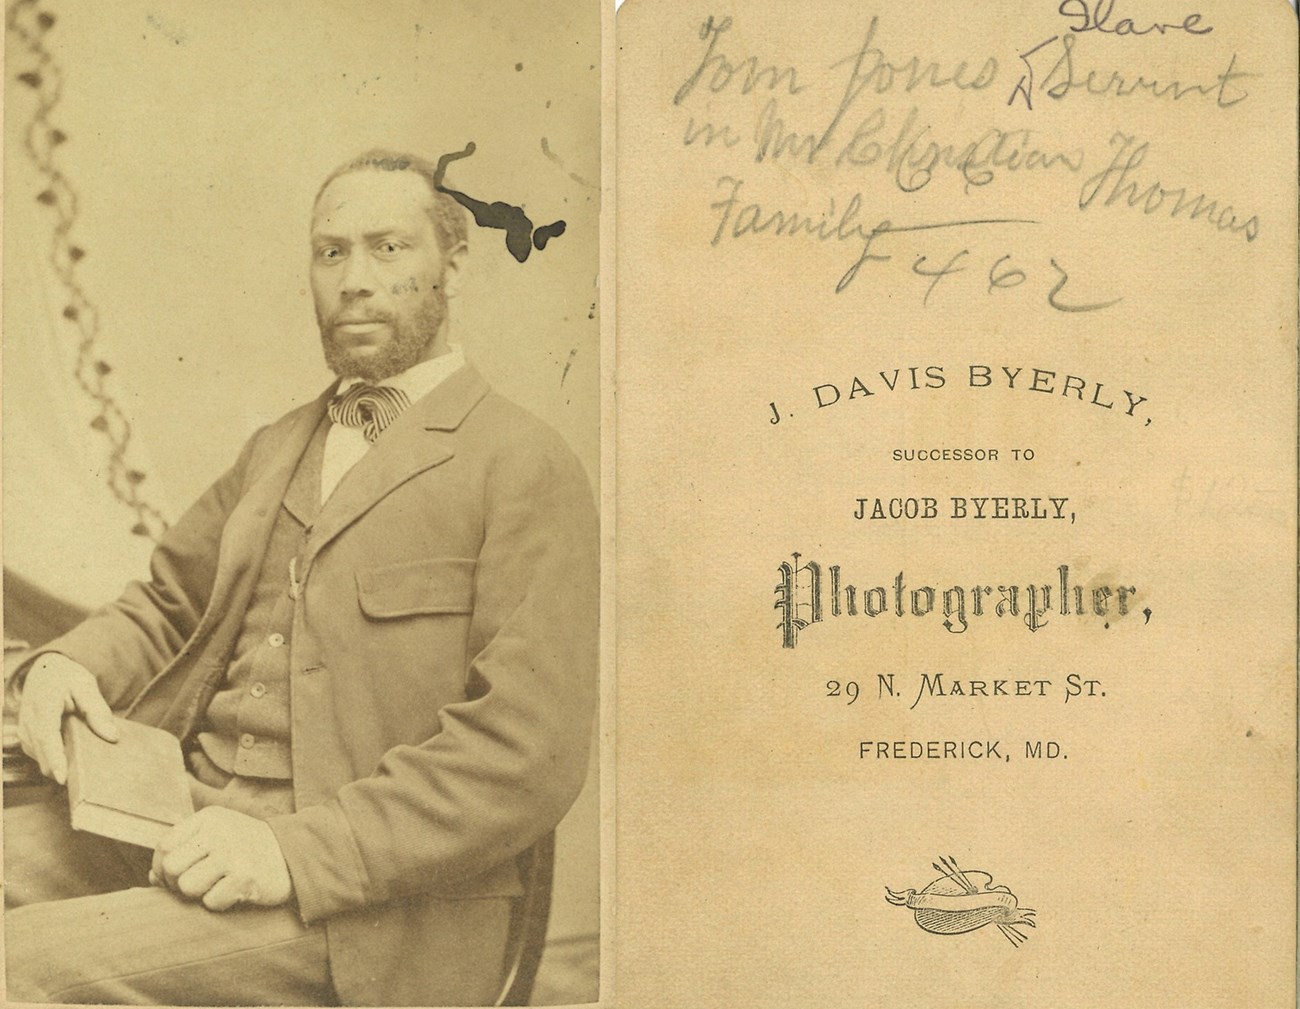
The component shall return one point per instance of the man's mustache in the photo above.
(345, 317)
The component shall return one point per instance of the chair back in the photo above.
(528, 921)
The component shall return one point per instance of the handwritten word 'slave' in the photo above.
(1097, 19)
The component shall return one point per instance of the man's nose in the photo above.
(358, 278)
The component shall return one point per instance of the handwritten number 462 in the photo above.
(1004, 274)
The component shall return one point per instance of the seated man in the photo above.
(375, 637)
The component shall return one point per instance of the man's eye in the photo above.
(329, 253)
(389, 248)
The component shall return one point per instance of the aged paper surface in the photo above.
(161, 163)
(956, 480)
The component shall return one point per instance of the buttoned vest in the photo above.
(247, 727)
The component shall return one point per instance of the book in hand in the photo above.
(132, 790)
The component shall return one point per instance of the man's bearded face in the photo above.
(377, 274)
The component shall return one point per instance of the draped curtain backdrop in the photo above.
(159, 278)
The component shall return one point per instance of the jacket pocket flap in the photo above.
(441, 585)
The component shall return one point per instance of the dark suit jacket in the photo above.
(442, 666)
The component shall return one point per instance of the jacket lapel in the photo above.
(409, 446)
(248, 529)
(302, 496)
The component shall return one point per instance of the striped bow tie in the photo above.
(369, 407)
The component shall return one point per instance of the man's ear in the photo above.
(452, 262)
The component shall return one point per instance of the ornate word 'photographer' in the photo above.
(801, 597)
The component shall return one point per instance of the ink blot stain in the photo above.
(518, 67)
(545, 233)
(521, 238)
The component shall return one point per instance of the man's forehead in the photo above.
(370, 198)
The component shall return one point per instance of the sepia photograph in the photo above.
(301, 499)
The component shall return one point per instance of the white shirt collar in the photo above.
(420, 379)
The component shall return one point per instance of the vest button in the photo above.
(247, 740)
(257, 689)
(275, 640)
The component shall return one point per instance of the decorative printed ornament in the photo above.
(961, 901)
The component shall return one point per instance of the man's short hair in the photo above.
(447, 215)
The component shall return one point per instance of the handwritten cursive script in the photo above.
(1064, 79)
(1117, 183)
(1097, 19)
(722, 71)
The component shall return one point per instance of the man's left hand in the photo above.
(223, 858)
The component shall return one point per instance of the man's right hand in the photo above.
(56, 687)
